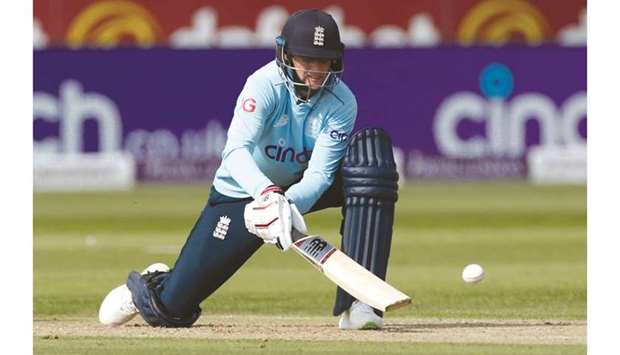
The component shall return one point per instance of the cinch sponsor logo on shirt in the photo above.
(338, 136)
(282, 154)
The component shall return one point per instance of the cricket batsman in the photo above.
(289, 151)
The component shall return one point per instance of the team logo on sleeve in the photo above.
(248, 105)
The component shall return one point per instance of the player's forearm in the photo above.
(242, 167)
(308, 190)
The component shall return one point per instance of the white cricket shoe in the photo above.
(117, 307)
(360, 316)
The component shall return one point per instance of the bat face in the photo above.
(349, 275)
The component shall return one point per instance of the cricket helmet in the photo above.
(309, 33)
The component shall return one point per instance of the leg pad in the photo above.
(370, 183)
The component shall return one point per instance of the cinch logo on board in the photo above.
(111, 22)
(504, 121)
(75, 106)
(288, 154)
(70, 111)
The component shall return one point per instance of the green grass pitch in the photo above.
(531, 240)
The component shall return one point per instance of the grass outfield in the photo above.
(531, 241)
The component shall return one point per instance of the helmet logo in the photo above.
(319, 36)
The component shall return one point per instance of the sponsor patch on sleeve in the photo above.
(338, 136)
(248, 104)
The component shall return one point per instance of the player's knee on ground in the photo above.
(145, 297)
(370, 183)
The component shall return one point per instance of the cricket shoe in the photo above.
(360, 316)
(117, 307)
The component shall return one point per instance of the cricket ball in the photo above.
(473, 273)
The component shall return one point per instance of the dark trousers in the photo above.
(218, 245)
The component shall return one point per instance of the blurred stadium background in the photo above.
(144, 90)
(485, 101)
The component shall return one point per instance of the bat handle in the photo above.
(297, 235)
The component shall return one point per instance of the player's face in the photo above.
(311, 71)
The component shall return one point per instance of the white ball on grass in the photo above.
(473, 273)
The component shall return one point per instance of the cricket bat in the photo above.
(349, 275)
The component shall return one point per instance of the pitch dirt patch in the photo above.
(325, 329)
